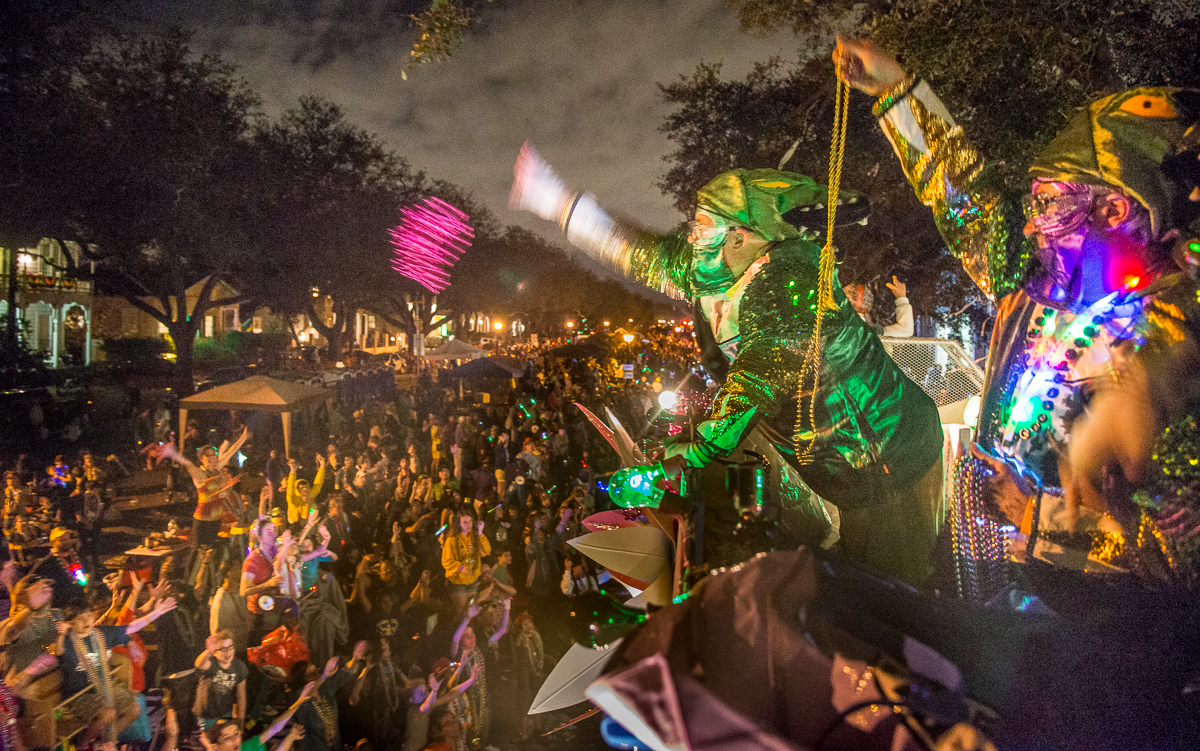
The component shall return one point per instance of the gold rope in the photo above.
(825, 301)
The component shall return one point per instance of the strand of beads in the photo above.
(979, 545)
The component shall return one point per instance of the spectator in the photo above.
(226, 735)
(441, 489)
(319, 716)
(221, 693)
(862, 301)
(462, 559)
(445, 732)
(62, 567)
(82, 649)
(228, 613)
(300, 495)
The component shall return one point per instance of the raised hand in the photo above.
(479, 528)
(164, 606)
(899, 289)
(473, 610)
(330, 667)
(866, 66)
(535, 186)
(360, 650)
(1006, 492)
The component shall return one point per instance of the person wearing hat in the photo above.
(866, 438)
(1085, 273)
(63, 568)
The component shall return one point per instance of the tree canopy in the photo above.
(718, 125)
(1010, 72)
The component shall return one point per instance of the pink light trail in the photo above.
(431, 237)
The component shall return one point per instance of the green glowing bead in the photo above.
(634, 487)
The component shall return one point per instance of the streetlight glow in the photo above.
(570, 324)
(668, 400)
(628, 338)
(498, 326)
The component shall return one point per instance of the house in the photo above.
(117, 319)
(53, 308)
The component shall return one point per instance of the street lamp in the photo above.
(628, 338)
(499, 326)
(570, 324)
(606, 323)
(668, 400)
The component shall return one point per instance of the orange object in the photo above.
(281, 648)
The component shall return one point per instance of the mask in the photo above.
(710, 274)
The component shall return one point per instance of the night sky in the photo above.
(579, 79)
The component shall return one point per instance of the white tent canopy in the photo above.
(255, 394)
(455, 349)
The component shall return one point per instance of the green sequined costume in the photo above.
(877, 444)
(1119, 141)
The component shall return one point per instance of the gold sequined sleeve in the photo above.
(661, 262)
(980, 223)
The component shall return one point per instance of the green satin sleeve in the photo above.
(659, 261)
(979, 219)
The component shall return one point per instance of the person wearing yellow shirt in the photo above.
(300, 495)
(462, 558)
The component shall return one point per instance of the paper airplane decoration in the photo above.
(637, 552)
(566, 684)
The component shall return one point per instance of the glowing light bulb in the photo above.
(668, 400)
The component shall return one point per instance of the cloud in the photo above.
(578, 78)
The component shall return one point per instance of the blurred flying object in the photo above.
(430, 238)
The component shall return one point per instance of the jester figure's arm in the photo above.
(660, 262)
(979, 221)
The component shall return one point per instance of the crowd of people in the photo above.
(401, 585)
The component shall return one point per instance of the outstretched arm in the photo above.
(503, 623)
(163, 606)
(472, 611)
(286, 717)
(169, 451)
(231, 452)
(903, 327)
(981, 224)
(660, 262)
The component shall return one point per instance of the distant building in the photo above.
(117, 319)
(53, 308)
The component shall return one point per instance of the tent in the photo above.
(455, 349)
(581, 349)
(488, 369)
(255, 394)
